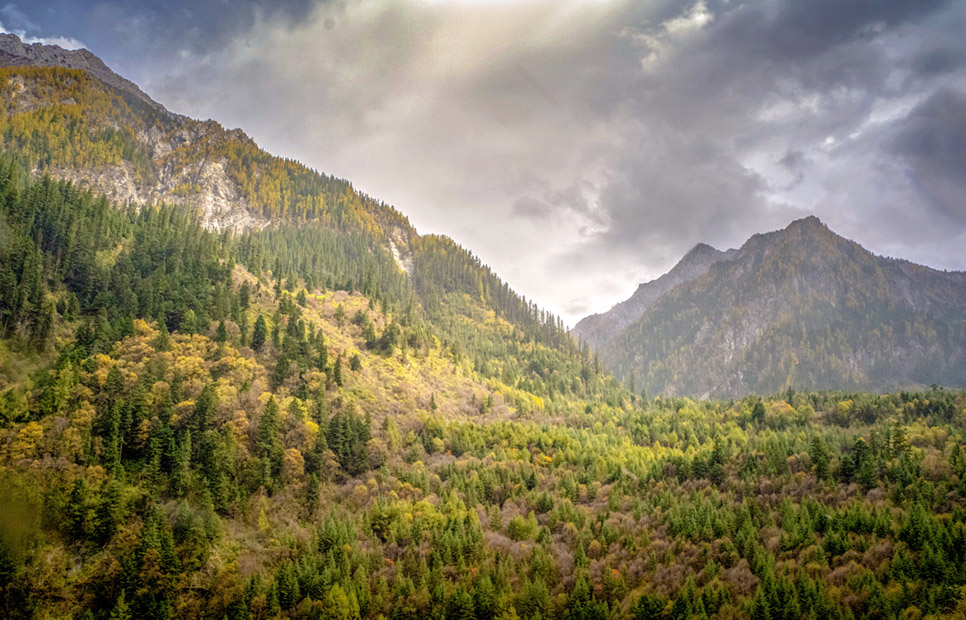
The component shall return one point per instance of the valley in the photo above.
(235, 388)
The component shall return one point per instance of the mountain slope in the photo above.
(801, 307)
(97, 130)
(287, 450)
(72, 117)
(597, 329)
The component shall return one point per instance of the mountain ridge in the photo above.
(594, 329)
(799, 293)
(73, 125)
(14, 52)
(118, 141)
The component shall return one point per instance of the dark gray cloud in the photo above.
(581, 146)
(931, 139)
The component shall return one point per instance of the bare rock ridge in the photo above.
(597, 329)
(14, 52)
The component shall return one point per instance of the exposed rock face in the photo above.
(800, 307)
(213, 196)
(201, 184)
(219, 203)
(13, 52)
(597, 329)
(399, 245)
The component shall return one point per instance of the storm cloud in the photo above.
(580, 147)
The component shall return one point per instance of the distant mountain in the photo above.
(800, 307)
(597, 329)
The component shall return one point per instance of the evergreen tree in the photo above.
(221, 334)
(758, 412)
(820, 458)
(280, 373)
(337, 371)
(109, 514)
(260, 333)
(121, 610)
(163, 341)
(649, 607)
(268, 442)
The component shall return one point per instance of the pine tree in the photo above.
(205, 407)
(108, 512)
(649, 607)
(460, 606)
(337, 371)
(820, 458)
(243, 330)
(280, 373)
(268, 441)
(163, 340)
(260, 334)
(760, 608)
(758, 412)
(121, 610)
(221, 334)
(322, 358)
(244, 296)
(288, 587)
(77, 510)
(43, 326)
(181, 468)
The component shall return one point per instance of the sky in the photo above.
(578, 147)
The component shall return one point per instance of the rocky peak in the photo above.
(809, 221)
(787, 307)
(701, 250)
(598, 328)
(14, 52)
(195, 179)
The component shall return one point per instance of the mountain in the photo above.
(67, 115)
(192, 328)
(597, 329)
(800, 307)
